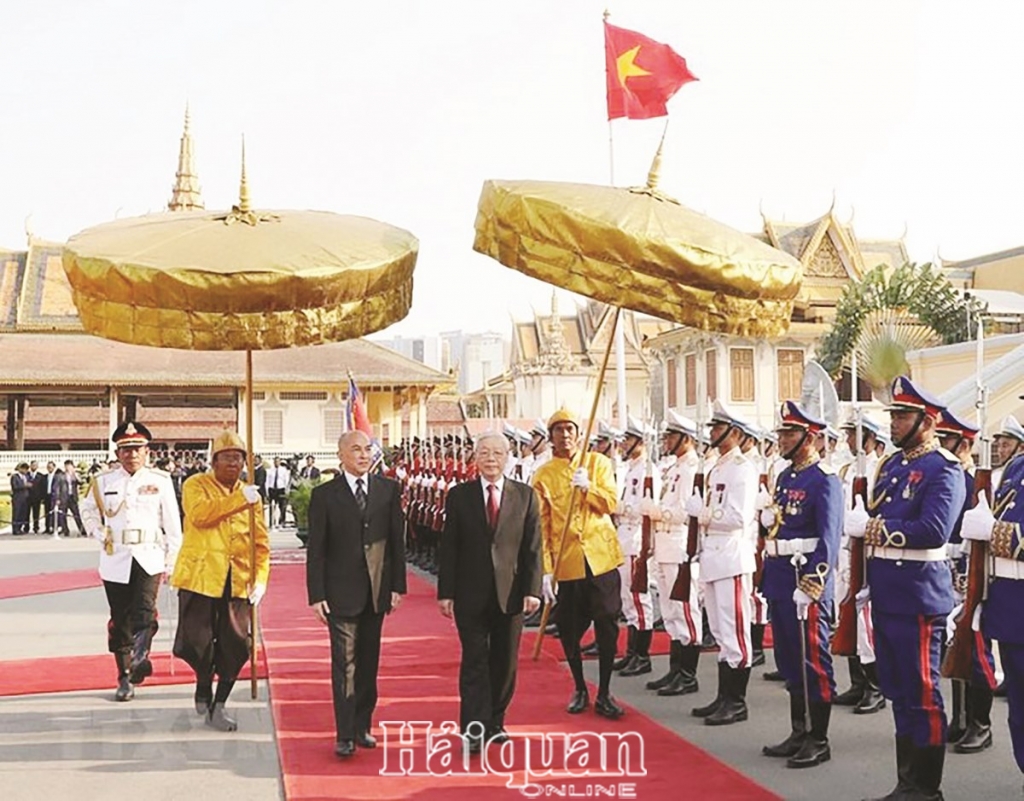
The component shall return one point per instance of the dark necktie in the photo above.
(360, 494)
(492, 506)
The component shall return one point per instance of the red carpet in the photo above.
(93, 672)
(43, 583)
(419, 682)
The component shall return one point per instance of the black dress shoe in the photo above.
(606, 707)
(637, 667)
(590, 649)
(872, 701)
(497, 735)
(758, 659)
(366, 740)
(976, 739)
(580, 701)
(344, 748)
(773, 675)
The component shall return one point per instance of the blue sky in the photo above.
(906, 112)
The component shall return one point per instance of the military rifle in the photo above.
(639, 582)
(681, 587)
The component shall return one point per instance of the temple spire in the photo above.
(186, 195)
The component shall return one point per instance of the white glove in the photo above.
(258, 591)
(580, 479)
(855, 522)
(251, 493)
(978, 521)
(549, 589)
(863, 598)
(951, 622)
(768, 516)
(976, 620)
(684, 558)
(803, 602)
(694, 505)
(764, 499)
(649, 508)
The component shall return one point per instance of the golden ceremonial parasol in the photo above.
(640, 249)
(241, 280)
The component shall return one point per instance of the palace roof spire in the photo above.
(186, 195)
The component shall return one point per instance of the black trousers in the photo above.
(213, 633)
(48, 511)
(63, 510)
(355, 656)
(35, 508)
(487, 673)
(591, 599)
(19, 512)
(132, 608)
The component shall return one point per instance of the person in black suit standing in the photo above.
(310, 471)
(36, 495)
(490, 572)
(355, 575)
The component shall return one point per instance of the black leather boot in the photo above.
(734, 702)
(959, 714)
(857, 682)
(710, 709)
(141, 667)
(757, 639)
(641, 661)
(926, 773)
(872, 700)
(792, 743)
(815, 748)
(978, 736)
(675, 652)
(904, 752)
(619, 664)
(125, 691)
(685, 680)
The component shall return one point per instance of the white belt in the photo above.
(138, 536)
(954, 550)
(735, 532)
(910, 554)
(1008, 568)
(790, 547)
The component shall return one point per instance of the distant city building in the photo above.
(425, 350)
(474, 358)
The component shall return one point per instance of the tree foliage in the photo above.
(919, 290)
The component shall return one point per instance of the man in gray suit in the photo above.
(355, 574)
(490, 572)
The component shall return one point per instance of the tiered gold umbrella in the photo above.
(241, 280)
(640, 249)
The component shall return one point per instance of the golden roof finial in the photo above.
(554, 303)
(185, 194)
(243, 188)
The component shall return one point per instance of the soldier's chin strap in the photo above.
(631, 449)
(674, 450)
(725, 433)
(796, 448)
(913, 431)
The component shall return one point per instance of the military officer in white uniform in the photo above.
(133, 511)
(670, 527)
(637, 607)
(727, 564)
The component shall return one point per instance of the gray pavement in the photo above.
(85, 745)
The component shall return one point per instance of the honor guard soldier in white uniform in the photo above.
(670, 525)
(636, 606)
(132, 510)
(727, 564)
(865, 694)
(751, 448)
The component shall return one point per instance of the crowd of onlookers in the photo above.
(42, 500)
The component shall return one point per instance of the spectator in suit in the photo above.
(36, 495)
(47, 490)
(260, 481)
(310, 471)
(491, 570)
(279, 479)
(65, 499)
(20, 489)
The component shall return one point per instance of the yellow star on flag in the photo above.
(626, 66)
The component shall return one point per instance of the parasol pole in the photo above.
(250, 463)
(575, 491)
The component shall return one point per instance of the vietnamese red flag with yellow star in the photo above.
(642, 74)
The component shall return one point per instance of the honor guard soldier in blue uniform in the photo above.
(1001, 610)
(917, 498)
(801, 556)
(133, 511)
(970, 725)
(1010, 447)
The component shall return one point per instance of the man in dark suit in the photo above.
(36, 495)
(490, 572)
(355, 574)
(65, 499)
(310, 471)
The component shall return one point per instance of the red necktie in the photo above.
(492, 506)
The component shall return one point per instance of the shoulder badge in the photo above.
(827, 469)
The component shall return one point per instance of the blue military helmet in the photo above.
(906, 396)
(793, 418)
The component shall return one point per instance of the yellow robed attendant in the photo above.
(213, 576)
(587, 576)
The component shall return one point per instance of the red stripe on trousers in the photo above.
(986, 668)
(641, 624)
(927, 688)
(738, 603)
(814, 651)
(689, 623)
